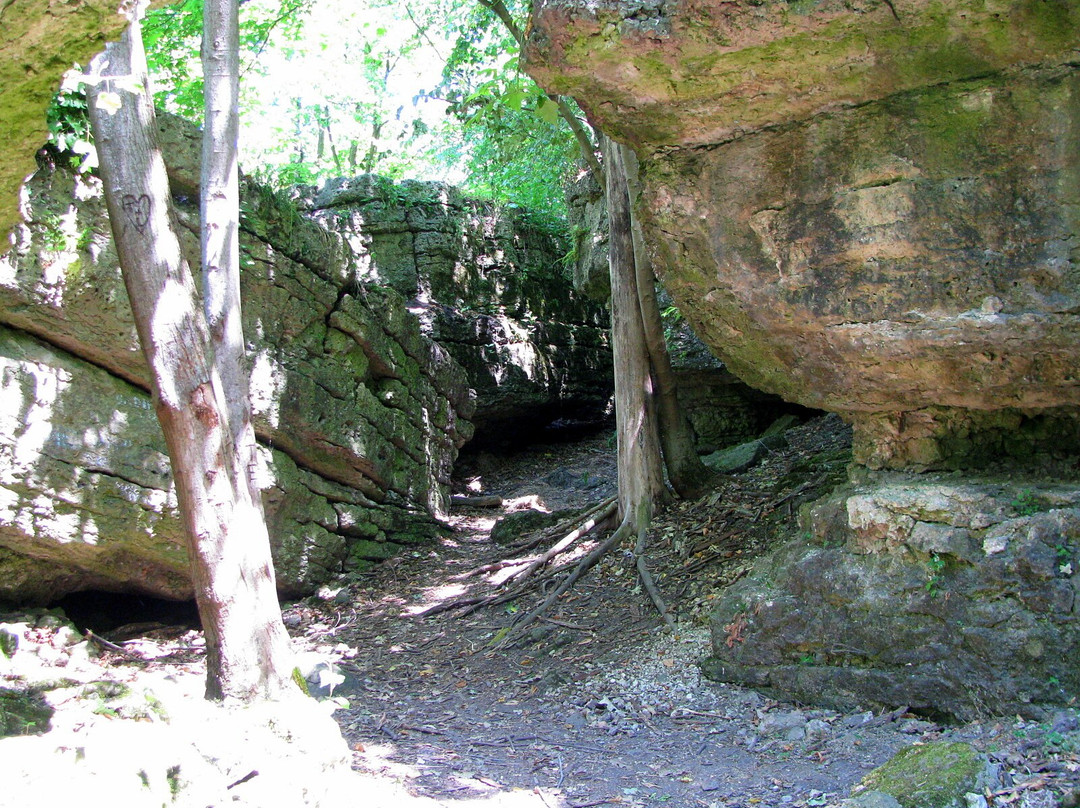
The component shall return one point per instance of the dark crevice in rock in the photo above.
(104, 612)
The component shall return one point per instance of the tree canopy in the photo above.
(424, 90)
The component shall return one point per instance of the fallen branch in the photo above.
(462, 501)
(583, 566)
(111, 646)
(595, 519)
(583, 525)
(569, 525)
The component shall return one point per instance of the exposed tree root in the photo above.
(647, 579)
(583, 566)
(460, 500)
(586, 521)
(580, 526)
(536, 569)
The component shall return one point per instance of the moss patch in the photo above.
(935, 775)
(23, 713)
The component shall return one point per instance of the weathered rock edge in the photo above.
(950, 597)
(360, 415)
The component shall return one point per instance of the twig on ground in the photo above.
(92, 637)
(565, 624)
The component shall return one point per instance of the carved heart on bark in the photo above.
(137, 209)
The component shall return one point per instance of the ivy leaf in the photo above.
(109, 102)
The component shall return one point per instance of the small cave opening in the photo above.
(110, 613)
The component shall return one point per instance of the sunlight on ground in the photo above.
(378, 769)
(433, 596)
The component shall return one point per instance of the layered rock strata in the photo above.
(359, 414)
(491, 287)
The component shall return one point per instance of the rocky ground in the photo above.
(598, 703)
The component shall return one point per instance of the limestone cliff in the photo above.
(490, 286)
(359, 414)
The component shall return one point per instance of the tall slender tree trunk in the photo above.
(640, 468)
(632, 271)
(687, 474)
(248, 655)
(219, 208)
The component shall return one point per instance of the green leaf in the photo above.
(548, 111)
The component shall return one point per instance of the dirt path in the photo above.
(598, 704)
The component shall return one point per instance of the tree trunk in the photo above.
(219, 209)
(641, 482)
(686, 473)
(248, 653)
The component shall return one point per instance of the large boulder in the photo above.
(491, 286)
(865, 207)
(871, 207)
(950, 597)
(359, 414)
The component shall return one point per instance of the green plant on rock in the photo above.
(53, 238)
(936, 566)
(1026, 503)
(69, 126)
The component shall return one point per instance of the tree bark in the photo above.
(219, 208)
(686, 473)
(248, 654)
(640, 468)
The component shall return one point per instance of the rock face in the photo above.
(490, 287)
(869, 207)
(40, 40)
(360, 415)
(872, 207)
(949, 597)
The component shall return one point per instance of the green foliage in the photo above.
(936, 566)
(1026, 503)
(513, 143)
(172, 36)
(321, 96)
(69, 123)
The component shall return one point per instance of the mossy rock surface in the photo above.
(23, 713)
(934, 775)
